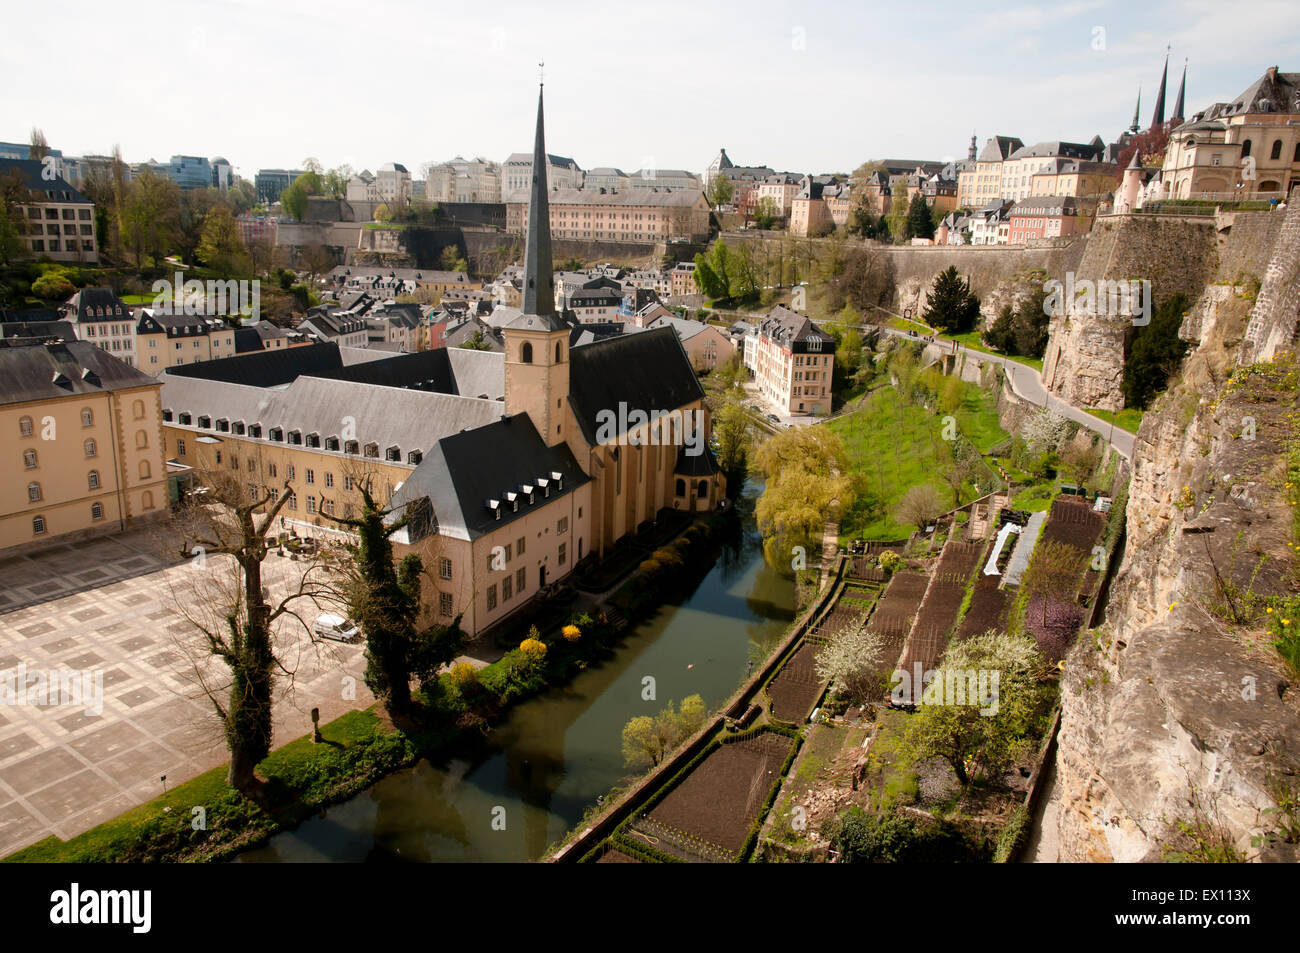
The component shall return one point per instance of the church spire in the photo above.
(1158, 117)
(539, 291)
(1136, 109)
(1182, 88)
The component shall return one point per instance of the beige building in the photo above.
(792, 361)
(84, 445)
(981, 185)
(1249, 147)
(637, 215)
(780, 190)
(706, 345)
(58, 221)
(164, 340)
(103, 319)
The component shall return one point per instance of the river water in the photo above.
(554, 755)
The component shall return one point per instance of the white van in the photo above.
(336, 627)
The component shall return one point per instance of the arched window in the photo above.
(141, 440)
(703, 491)
(138, 410)
(145, 471)
(96, 511)
(92, 479)
(557, 352)
(1277, 150)
(25, 426)
(90, 448)
(1296, 157)
(34, 492)
(1245, 148)
(29, 459)
(681, 487)
(526, 352)
(87, 417)
(147, 499)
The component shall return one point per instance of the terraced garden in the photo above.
(943, 599)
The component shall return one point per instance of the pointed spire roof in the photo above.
(539, 289)
(1137, 109)
(1134, 163)
(1158, 116)
(1182, 88)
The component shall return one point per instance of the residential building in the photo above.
(58, 221)
(978, 187)
(83, 445)
(634, 215)
(991, 224)
(517, 173)
(607, 178)
(706, 345)
(780, 191)
(658, 179)
(333, 326)
(1046, 216)
(1019, 168)
(1077, 178)
(164, 339)
(596, 305)
(792, 361)
(104, 320)
(683, 279)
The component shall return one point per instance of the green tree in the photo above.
(52, 286)
(951, 307)
(221, 246)
(806, 470)
(919, 223)
(986, 734)
(477, 342)
(648, 739)
(384, 598)
(451, 260)
(766, 212)
(897, 219)
(1154, 354)
(13, 224)
(150, 216)
(721, 190)
(713, 272)
(731, 431)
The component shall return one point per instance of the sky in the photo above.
(797, 86)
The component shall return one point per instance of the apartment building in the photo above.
(791, 360)
(1046, 216)
(1019, 168)
(164, 339)
(517, 173)
(636, 215)
(983, 184)
(58, 221)
(104, 320)
(83, 445)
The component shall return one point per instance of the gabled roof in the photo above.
(46, 371)
(463, 471)
(998, 148)
(649, 372)
(86, 302)
(44, 190)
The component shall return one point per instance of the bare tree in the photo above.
(919, 506)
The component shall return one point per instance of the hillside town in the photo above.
(933, 510)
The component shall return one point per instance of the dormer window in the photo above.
(313, 440)
(495, 507)
(167, 414)
(238, 427)
(223, 425)
(545, 484)
(414, 457)
(372, 450)
(277, 434)
(295, 437)
(205, 422)
(255, 430)
(186, 419)
(332, 443)
(559, 481)
(393, 454)
(513, 500)
(352, 447)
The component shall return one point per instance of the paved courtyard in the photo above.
(112, 606)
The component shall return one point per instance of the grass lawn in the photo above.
(972, 340)
(896, 446)
(1130, 418)
(1035, 499)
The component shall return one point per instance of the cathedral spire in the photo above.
(1136, 109)
(539, 291)
(1182, 88)
(1158, 117)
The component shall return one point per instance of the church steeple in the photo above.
(539, 291)
(1136, 109)
(1158, 117)
(1182, 88)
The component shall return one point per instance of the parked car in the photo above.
(329, 626)
(774, 418)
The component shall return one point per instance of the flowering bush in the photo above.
(571, 633)
(463, 675)
(889, 560)
(534, 649)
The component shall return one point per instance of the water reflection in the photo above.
(541, 768)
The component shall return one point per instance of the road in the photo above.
(1027, 385)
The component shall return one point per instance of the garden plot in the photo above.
(796, 687)
(895, 612)
(987, 609)
(938, 613)
(709, 814)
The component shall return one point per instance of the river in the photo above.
(554, 755)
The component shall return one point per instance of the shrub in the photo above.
(533, 649)
(650, 568)
(463, 676)
(571, 633)
(889, 560)
(52, 286)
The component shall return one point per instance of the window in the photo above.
(1276, 153)
(520, 577)
(145, 472)
(87, 417)
(234, 462)
(38, 525)
(146, 499)
(526, 353)
(29, 459)
(506, 591)
(1245, 148)
(507, 549)
(444, 604)
(271, 470)
(347, 483)
(25, 426)
(444, 568)
(288, 471)
(311, 475)
(562, 526)
(293, 501)
(138, 410)
(329, 480)
(311, 504)
(519, 546)
(562, 551)
(492, 597)
(96, 511)
(141, 440)
(92, 479)
(180, 450)
(34, 492)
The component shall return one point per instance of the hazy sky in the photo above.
(799, 86)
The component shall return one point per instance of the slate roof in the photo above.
(998, 148)
(787, 328)
(15, 330)
(700, 465)
(45, 371)
(270, 368)
(86, 302)
(463, 471)
(59, 190)
(649, 372)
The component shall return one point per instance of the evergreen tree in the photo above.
(1154, 354)
(951, 307)
(1000, 335)
(919, 223)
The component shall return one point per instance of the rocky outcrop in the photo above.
(1177, 713)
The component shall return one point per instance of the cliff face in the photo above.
(1179, 714)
